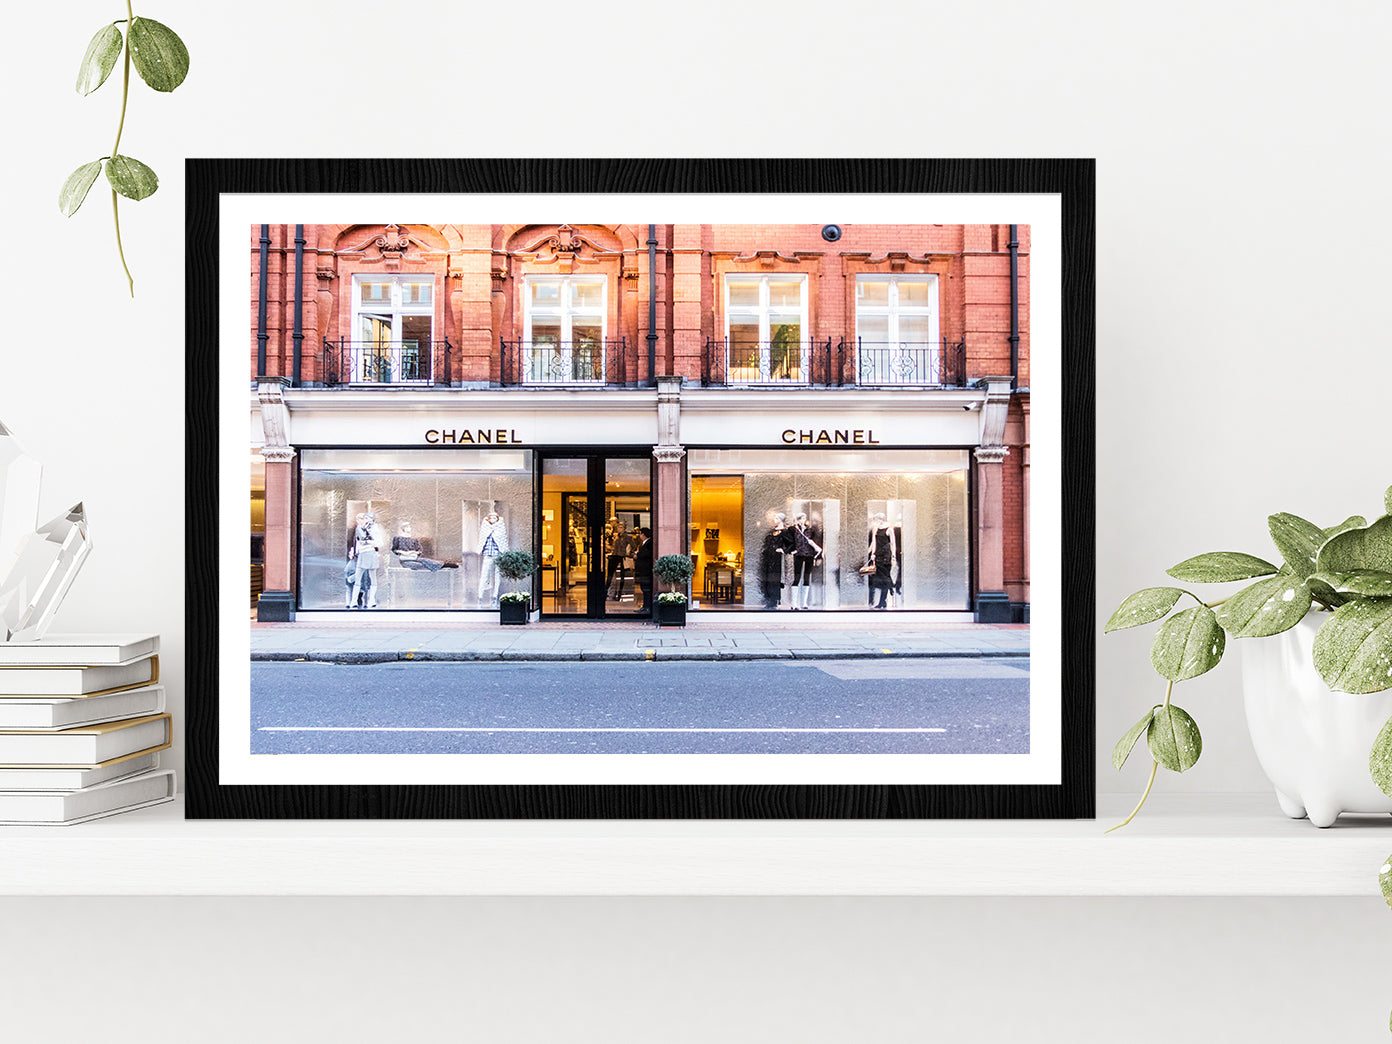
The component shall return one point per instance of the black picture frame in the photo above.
(1073, 180)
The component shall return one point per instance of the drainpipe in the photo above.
(299, 299)
(261, 305)
(652, 305)
(1014, 308)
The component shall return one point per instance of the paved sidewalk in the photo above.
(356, 641)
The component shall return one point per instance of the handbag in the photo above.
(865, 570)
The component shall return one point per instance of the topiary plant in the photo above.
(673, 570)
(516, 565)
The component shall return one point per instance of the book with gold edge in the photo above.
(88, 745)
(78, 681)
(63, 777)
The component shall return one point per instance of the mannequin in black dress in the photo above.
(882, 552)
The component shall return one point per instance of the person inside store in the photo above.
(619, 545)
(643, 568)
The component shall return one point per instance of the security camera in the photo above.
(831, 233)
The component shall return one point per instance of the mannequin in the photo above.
(407, 549)
(492, 542)
(807, 549)
(777, 544)
(365, 554)
(882, 552)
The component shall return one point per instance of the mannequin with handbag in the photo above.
(880, 555)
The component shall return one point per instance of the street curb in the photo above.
(354, 658)
(657, 653)
(451, 656)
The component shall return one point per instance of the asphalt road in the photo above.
(910, 706)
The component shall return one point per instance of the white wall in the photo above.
(1241, 366)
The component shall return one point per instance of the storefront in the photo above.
(809, 529)
(410, 528)
(809, 501)
(782, 503)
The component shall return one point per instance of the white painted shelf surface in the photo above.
(1239, 845)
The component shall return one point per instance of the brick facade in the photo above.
(479, 277)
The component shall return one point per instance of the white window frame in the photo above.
(897, 357)
(564, 358)
(763, 312)
(398, 353)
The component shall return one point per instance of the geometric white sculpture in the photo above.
(37, 566)
(40, 575)
(19, 495)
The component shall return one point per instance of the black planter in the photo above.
(514, 612)
(670, 614)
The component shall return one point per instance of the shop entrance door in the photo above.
(595, 510)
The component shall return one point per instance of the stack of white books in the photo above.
(82, 724)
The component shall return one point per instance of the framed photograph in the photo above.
(788, 405)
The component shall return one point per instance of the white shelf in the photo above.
(1194, 846)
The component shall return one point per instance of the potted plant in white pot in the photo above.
(514, 607)
(674, 571)
(1317, 689)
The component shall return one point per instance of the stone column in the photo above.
(669, 508)
(992, 604)
(1025, 502)
(277, 602)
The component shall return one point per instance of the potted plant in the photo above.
(1317, 691)
(672, 570)
(514, 607)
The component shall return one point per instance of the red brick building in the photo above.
(822, 418)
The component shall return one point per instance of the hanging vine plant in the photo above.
(162, 61)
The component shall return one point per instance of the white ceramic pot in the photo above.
(1312, 742)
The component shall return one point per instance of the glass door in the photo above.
(566, 544)
(596, 536)
(627, 537)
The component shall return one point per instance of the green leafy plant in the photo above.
(162, 61)
(1345, 571)
(673, 570)
(516, 565)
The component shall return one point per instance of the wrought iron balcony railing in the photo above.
(855, 362)
(764, 362)
(589, 361)
(415, 362)
(913, 363)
